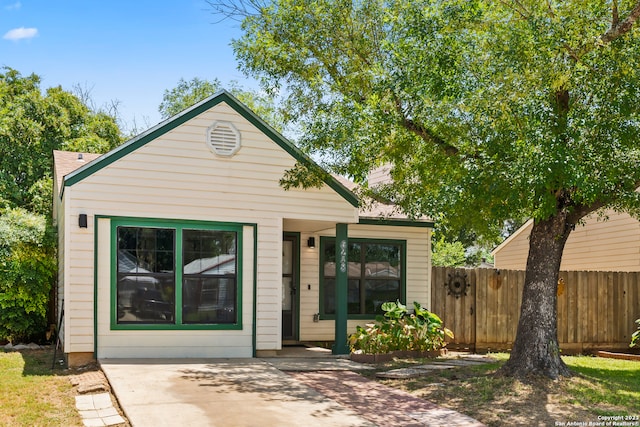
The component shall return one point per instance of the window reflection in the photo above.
(145, 275)
(209, 276)
(374, 276)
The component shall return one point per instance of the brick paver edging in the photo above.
(381, 404)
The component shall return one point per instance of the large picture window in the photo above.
(375, 275)
(176, 275)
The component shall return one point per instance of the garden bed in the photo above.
(622, 356)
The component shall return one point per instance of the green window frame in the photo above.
(360, 281)
(178, 271)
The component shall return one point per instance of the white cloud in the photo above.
(21, 33)
(15, 6)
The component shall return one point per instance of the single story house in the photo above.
(611, 244)
(182, 243)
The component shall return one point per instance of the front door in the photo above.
(290, 285)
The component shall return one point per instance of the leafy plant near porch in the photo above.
(400, 330)
(635, 338)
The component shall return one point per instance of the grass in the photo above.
(606, 382)
(600, 387)
(31, 394)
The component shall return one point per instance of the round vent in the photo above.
(223, 139)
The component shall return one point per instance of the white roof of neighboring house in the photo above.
(220, 264)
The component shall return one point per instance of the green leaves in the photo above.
(635, 337)
(484, 110)
(27, 268)
(188, 93)
(400, 330)
(32, 125)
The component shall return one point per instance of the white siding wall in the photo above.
(58, 207)
(177, 177)
(611, 245)
(418, 274)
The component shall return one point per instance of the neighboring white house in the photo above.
(611, 244)
(182, 243)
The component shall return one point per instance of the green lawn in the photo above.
(600, 387)
(33, 395)
(604, 382)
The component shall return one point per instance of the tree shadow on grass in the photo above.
(40, 362)
(496, 400)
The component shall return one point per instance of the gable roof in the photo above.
(163, 127)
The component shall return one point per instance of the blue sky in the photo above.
(124, 50)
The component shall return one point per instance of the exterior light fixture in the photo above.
(311, 242)
(82, 221)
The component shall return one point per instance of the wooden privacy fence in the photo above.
(596, 310)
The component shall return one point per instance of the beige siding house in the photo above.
(182, 243)
(598, 245)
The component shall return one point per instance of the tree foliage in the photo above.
(27, 268)
(188, 93)
(486, 111)
(32, 125)
(447, 254)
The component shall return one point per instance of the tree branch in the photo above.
(619, 28)
(580, 211)
(236, 10)
(422, 131)
(517, 7)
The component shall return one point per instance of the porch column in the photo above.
(342, 275)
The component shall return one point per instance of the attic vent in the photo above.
(223, 139)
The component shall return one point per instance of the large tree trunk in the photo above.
(536, 350)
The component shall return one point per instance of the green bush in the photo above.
(400, 330)
(27, 267)
(635, 338)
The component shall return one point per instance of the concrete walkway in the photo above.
(261, 392)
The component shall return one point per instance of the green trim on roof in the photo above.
(396, 222)
(199, 108)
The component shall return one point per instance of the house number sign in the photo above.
(343, 256)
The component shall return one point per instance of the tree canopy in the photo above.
(486, 111)
(190, 92)
(32, 125)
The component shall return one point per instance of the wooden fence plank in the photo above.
(562, 307)
(595, 309)
(481, 313)
(572, 318)
(513, 307)
(615, 298)
(597, 298)
(625, 305)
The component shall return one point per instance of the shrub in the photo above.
(398, 329)
(27, 267)
(635, 338)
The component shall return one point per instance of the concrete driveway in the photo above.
(219, 392)
(264, 392)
